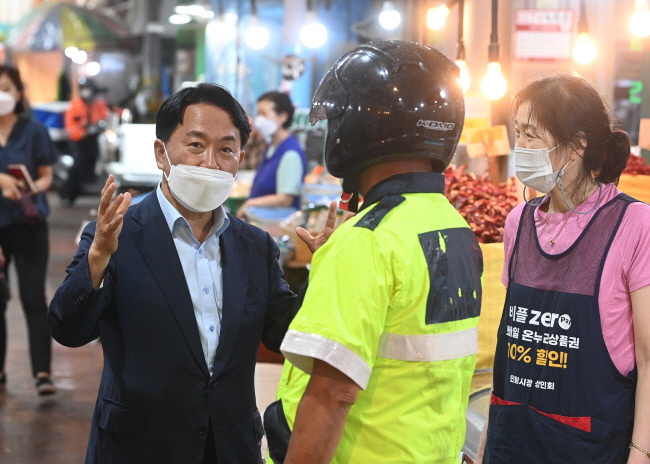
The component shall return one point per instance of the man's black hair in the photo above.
(281, 104)
(170, 114)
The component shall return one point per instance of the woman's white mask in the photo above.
(7, 103)
(534, 169)
(265, 126)
(197, 188)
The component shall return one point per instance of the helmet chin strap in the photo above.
(350, 196)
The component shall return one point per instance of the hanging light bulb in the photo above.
(313, 34)
(640, 20)
(220, 30)
(584, 50)
(389, 18)
(79, 57)
(256, 36)
(494, 85)
(437, 17)
(71, 51)
(93, 68)
(464, 79)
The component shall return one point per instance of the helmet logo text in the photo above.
(436, 125)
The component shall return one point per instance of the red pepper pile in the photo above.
(483, 204)
(636, 165)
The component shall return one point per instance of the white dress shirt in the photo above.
(202, 268)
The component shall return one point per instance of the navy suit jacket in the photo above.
(156, 397)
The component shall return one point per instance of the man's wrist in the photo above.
(97, 265)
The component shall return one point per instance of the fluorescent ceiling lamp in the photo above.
(191, 10)
(178, 19)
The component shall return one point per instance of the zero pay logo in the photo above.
(548, 319)
(436, 125)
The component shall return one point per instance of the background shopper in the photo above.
(23, 226)
(279, 176)
(83, 123)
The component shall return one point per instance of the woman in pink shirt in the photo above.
(572, 364)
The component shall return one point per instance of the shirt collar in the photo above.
(220, 220)
(270, 151)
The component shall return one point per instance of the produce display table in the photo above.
(494, 295)
(636, 186)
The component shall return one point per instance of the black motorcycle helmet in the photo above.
(386, 100)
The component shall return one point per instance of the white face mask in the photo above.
(7, 103)
(265, 126)
(534, 169)
(197, 188)
(86, 94)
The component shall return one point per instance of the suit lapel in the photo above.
(235, 256)
(157, 247)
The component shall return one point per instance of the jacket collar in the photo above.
(410, 182)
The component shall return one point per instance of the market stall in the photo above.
(635, 180)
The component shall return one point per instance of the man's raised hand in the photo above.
(110, 216)
(314, 243)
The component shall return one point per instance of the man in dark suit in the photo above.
(180, 302)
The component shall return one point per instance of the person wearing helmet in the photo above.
(83, 120)
(388, 325)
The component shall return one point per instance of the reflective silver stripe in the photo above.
(430, 347)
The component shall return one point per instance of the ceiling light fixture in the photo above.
(313, 34)
(640, 20)
(389, 18)
(494, 85)
(256, 35)
(584, 50)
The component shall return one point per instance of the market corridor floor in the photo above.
(54, 429)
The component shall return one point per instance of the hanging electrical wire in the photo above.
(464, 79)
